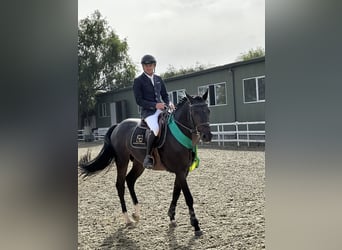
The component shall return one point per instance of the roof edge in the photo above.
(220, 67)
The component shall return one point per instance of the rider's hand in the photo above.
(171, 106)
(160, 106)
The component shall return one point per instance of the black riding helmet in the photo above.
(148, 59)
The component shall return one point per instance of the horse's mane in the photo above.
(181, 102)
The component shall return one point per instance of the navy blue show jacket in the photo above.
(148, 95)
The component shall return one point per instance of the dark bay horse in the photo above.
(192, 118)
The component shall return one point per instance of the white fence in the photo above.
(80, 135)
(238, 132)
(97, 135)
(235, 132)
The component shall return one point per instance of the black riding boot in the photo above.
(148, 161)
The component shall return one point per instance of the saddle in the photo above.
(139, 135)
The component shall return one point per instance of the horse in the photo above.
(191, 117)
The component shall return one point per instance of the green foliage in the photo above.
(103, 61)
(172, 71)
(252, 53)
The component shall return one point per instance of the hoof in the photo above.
(130, 225)
(135, 217)
(198, 233)
(173, 223)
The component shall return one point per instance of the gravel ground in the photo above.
(229, 200)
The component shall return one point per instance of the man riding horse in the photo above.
(178, 152)
(149, 91)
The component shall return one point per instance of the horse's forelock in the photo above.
(198, 99)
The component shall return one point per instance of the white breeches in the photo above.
(152, 122)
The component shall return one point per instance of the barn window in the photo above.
(217, 93)
(176, 95)
(103, 110)
(254, 89)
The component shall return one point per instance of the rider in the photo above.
(149, 89)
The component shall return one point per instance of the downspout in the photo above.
(234, 103)
(234, 94)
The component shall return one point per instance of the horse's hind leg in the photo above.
(175, 196)
(189, 201)
(131, 178)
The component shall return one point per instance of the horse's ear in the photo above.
(205, 96)
(191, 100)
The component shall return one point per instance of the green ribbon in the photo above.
(184, 140)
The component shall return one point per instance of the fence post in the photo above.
(247, 135)
(222, 129)
(237, 134)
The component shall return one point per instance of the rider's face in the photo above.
(149, 68)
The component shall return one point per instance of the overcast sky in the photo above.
(183, 32)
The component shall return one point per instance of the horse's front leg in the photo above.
(189, 201)
(120, 187)
(176, 193)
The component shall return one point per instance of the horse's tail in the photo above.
(102, 160)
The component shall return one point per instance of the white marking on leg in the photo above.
(127, 219)
(137, 209)
(136, 214)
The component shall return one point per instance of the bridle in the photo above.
(193, 129)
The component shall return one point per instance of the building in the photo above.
(236, 93)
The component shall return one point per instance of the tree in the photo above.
(172, 71)
(252, 53)
(103, 62)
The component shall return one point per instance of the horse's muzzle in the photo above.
(206, 134)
